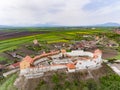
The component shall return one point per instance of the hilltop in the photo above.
(60, 80)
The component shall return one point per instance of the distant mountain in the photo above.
(109, 24)
(5, 26)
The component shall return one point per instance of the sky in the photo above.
(59, 12)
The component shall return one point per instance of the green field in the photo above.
(55, 35)
(52, 37)
(7, 83)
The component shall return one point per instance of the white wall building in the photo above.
(83, 60)
(94, 60)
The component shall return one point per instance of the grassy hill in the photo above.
(102, 79)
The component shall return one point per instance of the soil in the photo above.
(8, 57)
(107, 52)
(23, 51)
(15, 34)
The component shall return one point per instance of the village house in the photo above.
(117, 31)
(35, 42)
(83, 44)
(27, 62)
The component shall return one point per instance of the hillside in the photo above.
(7, 83)
(60, 80)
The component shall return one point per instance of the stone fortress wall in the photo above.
(84, 60)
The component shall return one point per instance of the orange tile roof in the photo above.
(63, 51)
(97, 51)
(45, 55)
(31, 60)
(28, 59)
(71, 66)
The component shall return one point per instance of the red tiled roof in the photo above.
(97, 51)
(63, 51)
(16, 64)
(28, 59)
(45, 55)
(71, 66)
(31, 60)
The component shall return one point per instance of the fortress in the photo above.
(55, 60)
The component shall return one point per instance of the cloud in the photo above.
(98, 4)
(102, 11)
(62, 12)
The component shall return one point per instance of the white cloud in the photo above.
(63, 12)
(109, 13)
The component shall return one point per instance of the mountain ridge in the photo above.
(108, 24)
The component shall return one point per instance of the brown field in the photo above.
(15, 34)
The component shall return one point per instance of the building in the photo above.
(26, 62)
(14, 66)
(90, 60)
(35, 42)
(71, 67)
(72, 61)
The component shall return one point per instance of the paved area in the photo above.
(115, 67)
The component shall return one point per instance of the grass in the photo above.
(118, 56)
(2, 58)
(8, 84)
(106, 80)
(55, 41)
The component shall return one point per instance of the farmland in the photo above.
(21, 42)
(16, 34)
(11, 40)
(15, 39)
